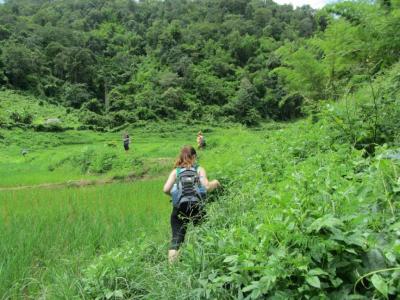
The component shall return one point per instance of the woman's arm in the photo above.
(210, 185)
(170, 182)
(203, 177)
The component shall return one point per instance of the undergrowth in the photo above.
(303, 219)
(309, 210)
(308, 216)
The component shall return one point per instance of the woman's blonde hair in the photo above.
(186, 158)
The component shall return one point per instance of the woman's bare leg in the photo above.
(172, 255)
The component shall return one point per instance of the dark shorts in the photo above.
(180, 218)
(126, 146)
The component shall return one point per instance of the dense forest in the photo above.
(122, 61)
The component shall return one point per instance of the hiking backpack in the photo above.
(188, 189)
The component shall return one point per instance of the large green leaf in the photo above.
(380, 284)
(313, 281)
(327, 221)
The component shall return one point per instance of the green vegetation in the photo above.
(72, 155)
(122, 61)
(303, 217)
(18, 110)
(48, 235)
(309, 207)
(57, 231)
(125, 61)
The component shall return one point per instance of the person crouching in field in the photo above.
(188, 185)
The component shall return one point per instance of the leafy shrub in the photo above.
(85, 127)
(121, 117)
(75, 94)
(103, 163)
(124, 273)
(2, 121)
(23, 118)
(93, 105)
(370, 116)
(53, 127)
(94, 119)
(93, 162)
(84, 160)
(144, 113)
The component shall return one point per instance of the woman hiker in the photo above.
(188, 185)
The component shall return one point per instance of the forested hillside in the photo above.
(122, 61)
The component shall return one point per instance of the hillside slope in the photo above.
(306, 216)
(17, 108)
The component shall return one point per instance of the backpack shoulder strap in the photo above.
(180, 170)
(197, 168)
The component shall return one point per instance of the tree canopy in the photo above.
(122, 60)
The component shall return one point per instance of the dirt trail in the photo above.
(80, 183)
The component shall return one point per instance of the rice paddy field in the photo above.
(78, 195)
(48, 234)
(77, 155)
(298, 217)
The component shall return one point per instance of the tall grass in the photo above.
(48, 235)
